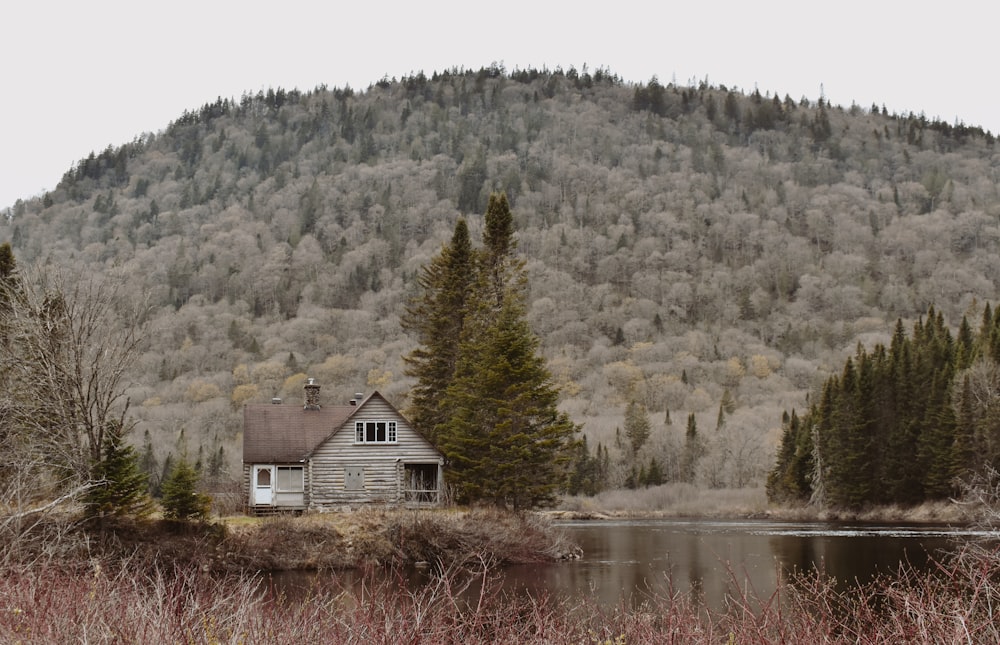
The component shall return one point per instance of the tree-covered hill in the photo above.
(695, 250)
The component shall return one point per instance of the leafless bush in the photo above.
(467, 604)
(980, 499)
(227, 497)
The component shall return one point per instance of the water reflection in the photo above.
(625, 561)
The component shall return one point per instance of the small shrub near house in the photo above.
(181, 499)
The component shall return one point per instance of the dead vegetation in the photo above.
(396, 537)
(309, 542)
(467, 604)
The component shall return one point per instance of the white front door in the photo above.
(262, 486)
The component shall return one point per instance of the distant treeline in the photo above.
(900, 425)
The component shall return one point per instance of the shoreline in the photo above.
(685, 501)
(330, 541)
(395, 537)
(930, 514)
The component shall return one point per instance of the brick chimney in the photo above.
(312, 394)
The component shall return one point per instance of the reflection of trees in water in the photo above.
(851, 560)
(629, 562)
(714, 560)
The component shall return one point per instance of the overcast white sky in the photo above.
(77, 76)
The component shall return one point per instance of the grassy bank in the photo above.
(393, 537)
(186, 605)
(313, 541)
(688, 501)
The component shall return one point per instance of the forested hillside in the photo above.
(703, 256)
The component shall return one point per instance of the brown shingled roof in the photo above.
(287, 433)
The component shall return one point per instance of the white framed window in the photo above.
(375, 431)
(290, 479)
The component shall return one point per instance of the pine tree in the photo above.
(120, 485)
(504, 439)
(8, 290)
(900, 468)
(436, 317)
(693, 450)
(964, 455)
(632, 479)
(583, 471)
(788, 481)
(848, 477)
(166, 468)
(637, 426)
(506, 442)
(589, 473)
(937, 442)
(181, 499)
(8, 276)
(964, 346)
(148, 464)
(497, 261)
(654, 473)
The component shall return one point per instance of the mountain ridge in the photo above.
(682, 242)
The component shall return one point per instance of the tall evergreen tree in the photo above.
(497, 260)
(964, 456)
(149, 465)
(693, 450)
(849, 480)
(964, 346)
(900, 469)
(436, 317)
(789, 480)
(505, 440)
(8, 275)
(8, 289)
(654, 473)
(637, 426)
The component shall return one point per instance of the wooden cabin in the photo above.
(314, 457)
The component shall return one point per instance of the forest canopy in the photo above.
(683, 244)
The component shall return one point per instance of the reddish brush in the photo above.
(958, 603)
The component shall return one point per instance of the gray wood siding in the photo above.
(382, 463)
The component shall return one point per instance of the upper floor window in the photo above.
(375, 432)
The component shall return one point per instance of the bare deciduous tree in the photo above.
(72, 341)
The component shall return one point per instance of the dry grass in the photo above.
(959, 603)
(674, 500)
(314, 542)
(686, 500)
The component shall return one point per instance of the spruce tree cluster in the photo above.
(589, 474)
(899, 425)
(484, 395)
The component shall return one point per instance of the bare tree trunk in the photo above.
(71, 343)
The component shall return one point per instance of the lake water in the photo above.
(626, 560)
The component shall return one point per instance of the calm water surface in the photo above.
(625, 561)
